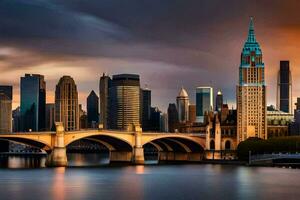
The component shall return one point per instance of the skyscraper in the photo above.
(104, 85)
(204, 102)
(33, 102)
(219, 101)
(183, 106)
(284, 88)
(50, 117)
(7, 90)
(5, 113)
(172, 117)
(66, 103)
(192, 113)
(251, 91)
(92, 109)
(125, 101)
(146, 108)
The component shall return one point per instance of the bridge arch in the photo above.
(173, 142)
(36, 142)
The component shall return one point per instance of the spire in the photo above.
(251, 34)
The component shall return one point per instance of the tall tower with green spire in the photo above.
(251, 91)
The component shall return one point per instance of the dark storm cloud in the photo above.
(195, 42)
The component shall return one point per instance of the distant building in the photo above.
(204, 102)
(155, 119)
(251, 91)
(146, 108)
(7, 90)
(124, 95)
(66, 103)
(172, 118)
(104, 85)
(284, 88)
(93, 109)
(50, 117)
(219, 101)
(278, 122)
(192, 113)
(16, 115)
(5, 114)
(183, 106)
(33, 102)
(83, 118)
(164, 123)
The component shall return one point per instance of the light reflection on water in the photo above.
(144, 182)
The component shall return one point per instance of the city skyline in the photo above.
(196, 50)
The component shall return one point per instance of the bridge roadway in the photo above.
(124, 146)
(270, 158)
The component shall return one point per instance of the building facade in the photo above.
(251, 91)
(146, 108)
(204, 102)
(33, 102)
(5, 113)
(192, 113)
(124, 95)
(7, 90)
(284, 88)
(183, 106)
(50, 117)
(92, 109)
(66, 103)
(104, 85)
(172, 118)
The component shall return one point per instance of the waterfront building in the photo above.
(33, 102)
(66, 103)
(172, 118)
(92, 109)
(146, 108)
(50, 117)
(16, 115)
(104, 85)
(5, 113)
(219, 101)
(192, 113)
(183, 106)
(251, 91)
(124, 95)
(204, 102)
(284, 88)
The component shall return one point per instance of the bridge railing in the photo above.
(260, 157)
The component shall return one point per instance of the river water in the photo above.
(27, 178)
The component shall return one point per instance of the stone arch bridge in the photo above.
(123, 145)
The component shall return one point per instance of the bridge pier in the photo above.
(58, 156)
(138, 150)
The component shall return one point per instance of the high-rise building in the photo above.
(155, 119)
(124, 97)
(92, 109)
(16, 115)
(251, 91)
(33, 102)
(50, 117)
(183, 106)
(204, 102)
(146, 108)
(284, 88)
(104, 85)
(83, 118)
(172, 117)
(164, 123)
(219, 101)
(5, 113)
(7, 90)
(66, 103)
(192, 113)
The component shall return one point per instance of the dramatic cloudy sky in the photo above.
(170, 43)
